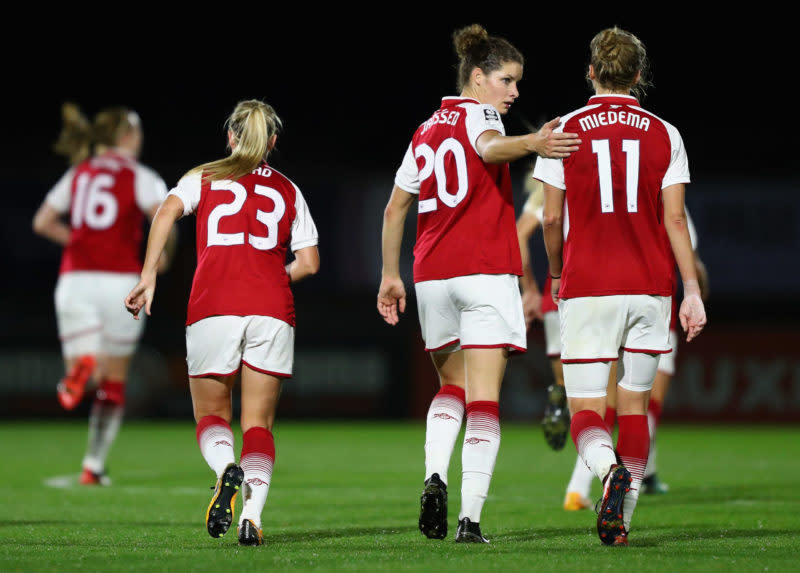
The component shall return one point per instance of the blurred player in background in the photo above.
(555, 422)
(614, 228)
(466, 266)
(241, 309)
(107, 194)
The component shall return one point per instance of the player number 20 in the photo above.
(434, 164)
(270, 219)
(602, 149)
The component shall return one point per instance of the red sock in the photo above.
(215, 438)
(611, 418)
(452, 390)
(258, 443)
(633, 444)
(257, 461)
(654, 410)
(111, 393)
(593, 441)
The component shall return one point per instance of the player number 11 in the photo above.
(602, 149)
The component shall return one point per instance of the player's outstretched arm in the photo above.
(142, 294)
(169, 248)
(496, 148)
(692, 313)
(392, 292)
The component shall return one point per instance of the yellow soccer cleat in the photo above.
(575, 502)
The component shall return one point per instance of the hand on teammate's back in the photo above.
(554, 145)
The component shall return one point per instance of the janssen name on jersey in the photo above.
(466, 222)
(615, 240)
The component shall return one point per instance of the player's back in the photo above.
(615, 239)
(466, 220)
(105, 220)
(243, 230)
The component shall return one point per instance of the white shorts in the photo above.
(219, 345)
(474, 311)
(552, 334)
(666, 362)
(91, 314)
(596, 328)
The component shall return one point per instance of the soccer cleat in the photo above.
(219, 515)
(433, 508)
(653, 485)
(88, 477)
(555, 422)
(71, 388)
(469, 532)
(610, 525)
(249, 534)
(575, 502)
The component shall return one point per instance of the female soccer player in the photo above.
(466, 267)
(107, 195)
(241, 309)
(612, 267)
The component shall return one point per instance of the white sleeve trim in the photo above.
(149, 188)
(60, 196)
(304, 231)
(481, 118)
(407, 177)
(188, 191)
(550, 171)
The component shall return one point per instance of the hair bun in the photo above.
(468, 38)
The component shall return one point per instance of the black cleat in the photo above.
(433, 508)
(555, 422)
(469, 532)
(652, 485)
(249, 534)
(221, 509)
(610, 524)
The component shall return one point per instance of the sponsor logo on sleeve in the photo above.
(490, 114)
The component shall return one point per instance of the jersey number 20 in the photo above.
(434, 163)
(269, 218)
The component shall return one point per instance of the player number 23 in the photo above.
(269, 218)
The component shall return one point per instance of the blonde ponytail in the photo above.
(252, 123)
(75, 140)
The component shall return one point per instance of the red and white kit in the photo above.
(466, 226)
(106, 197)
(617, 257)
(244, 228)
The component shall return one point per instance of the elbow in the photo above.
(552, 221)
(313, 267)
(39, 226)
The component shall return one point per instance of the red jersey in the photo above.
(614, 238)
(466, 222)
(106, 197)
(244, 228)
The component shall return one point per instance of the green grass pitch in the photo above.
(345, 497)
